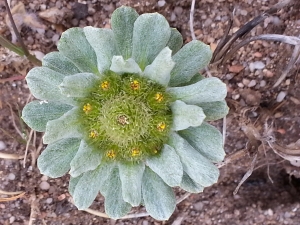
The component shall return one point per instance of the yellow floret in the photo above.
(93, 134)
(111, 154)
(161, 126)
(159, 97)
(87, 108)
(135, 85)
(135, 152)
(105, 85)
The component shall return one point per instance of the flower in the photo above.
(125, 111)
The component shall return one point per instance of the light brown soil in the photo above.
(269, 196)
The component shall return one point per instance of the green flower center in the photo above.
(126, 117)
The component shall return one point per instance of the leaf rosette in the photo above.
(124, 111)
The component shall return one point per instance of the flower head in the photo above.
(125, 114)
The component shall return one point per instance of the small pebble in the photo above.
(246, 81)
(198, 206)
(44, 185)
(236, 68)
(61, 197)
(262, 83)
(12, 219)
(11, 176)
(257, 55)
(268, 73)
(252, 83)
(243, 12)
(258, 65)
(49, 200)
(161, 3)
(43, 7)
(241, 85)
(44, 178)
(178, 10)
(2, 145)
(235, 97)
(270, 212)
(55, 38)
(145, 222)
(207, 22)
(173, 16)
(281, 96)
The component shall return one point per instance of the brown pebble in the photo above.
(61, 197)
(236, 68)
(281, 131)
(257, 55)
(251, 97)
(268, 73)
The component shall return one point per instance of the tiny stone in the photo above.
(252, 83)
(2, 145)
(61, 197)
(257, 55)
(145, 222)
(12, 219)
(178, 10)
(262, 83)
(268, 73)
(44, 185)
(173, 16)
(236, 68)
(11, 176)
(80, 10)
(75, 22)
(55, 38)
(270, 212)
(43, 7)
(44, 178)
(49, 200)
(207, 22)
(235, 97)
(236, 212)
(246, 82)
(240, 85)
(243, 12)
(58, 4)
(258, 65)
(161, 3)
(229, 76)
(198, 206)
(281, 96)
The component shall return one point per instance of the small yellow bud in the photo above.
(87, 108)
(105, 85)
(135, 85)
(161, 126)
(111, 154)
(135, 152)
(93, 134)
(159, 97)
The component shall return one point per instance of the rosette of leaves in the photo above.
(124, 111)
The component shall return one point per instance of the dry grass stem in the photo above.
(10, 156)
(27, 146)
(192, 20)
(10, 193)
(247, 175)
(12, 198)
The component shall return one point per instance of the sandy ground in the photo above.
(269, 196)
